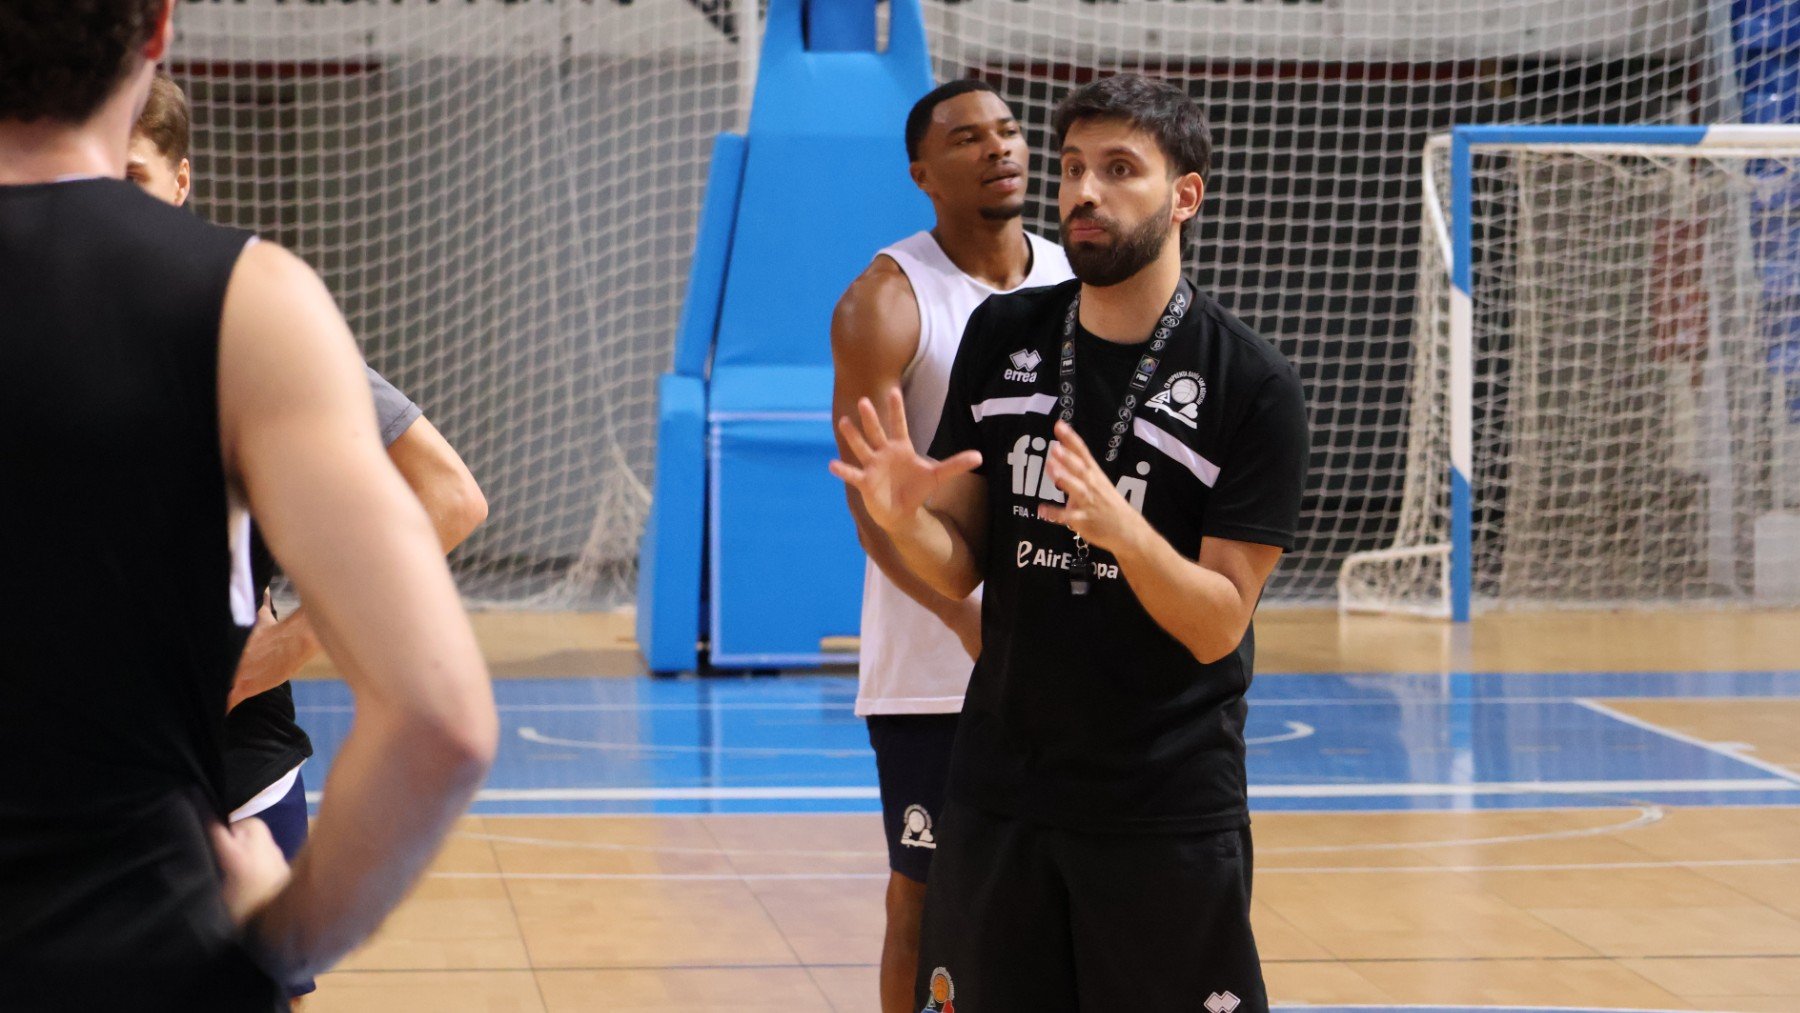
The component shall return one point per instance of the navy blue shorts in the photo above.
(912, 763)
(287, 824)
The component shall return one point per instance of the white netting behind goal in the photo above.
(504, 196)
(1633, 442)
(503, 199)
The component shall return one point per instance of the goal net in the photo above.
(503, 195)
(503, 198)
(1633, 296)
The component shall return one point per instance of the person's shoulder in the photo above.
(135, 217)
(1050, 261)
(1022, 306)
(1254, 354)
(1004, 318)
(878, 301)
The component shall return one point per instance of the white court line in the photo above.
(1439, 1008)
(609, 846)
(1592, 806)
(533, 735)
(678, 877)
(1513, 788)
(1711, 747)
(1295, 730)
(846, 707)
(674, 794)
(717, 794)
(1321, 870)
(1646, 815)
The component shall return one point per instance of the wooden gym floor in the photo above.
(1602, 815)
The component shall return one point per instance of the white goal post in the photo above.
(1603, 404)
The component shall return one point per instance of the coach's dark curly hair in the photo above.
(59, 59)
(1164, 111)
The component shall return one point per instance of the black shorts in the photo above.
(1023, 917)
(912, 762)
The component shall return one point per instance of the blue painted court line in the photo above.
(1316, 743)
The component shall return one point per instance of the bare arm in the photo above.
(278, 649)
(935, 511)
(298, 435)
(1206, 603)
(443, 483)
(874, 336)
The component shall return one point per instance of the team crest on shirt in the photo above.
(1024, 365)
(943, 993)
(1181, 398)
(915, 829)
(1222, 1002)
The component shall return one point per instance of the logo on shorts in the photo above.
(1024, 365)
(915, 828)
(1222, 1002)
(1181, 398)
(943, 993)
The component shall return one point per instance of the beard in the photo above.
(1129, 252)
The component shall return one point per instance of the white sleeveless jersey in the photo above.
(910, 662)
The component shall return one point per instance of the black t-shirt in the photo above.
(263, 739)
(1083, 711)
(120, 636)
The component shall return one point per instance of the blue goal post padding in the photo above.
(671, 554)
(670, 561)
(821, 184)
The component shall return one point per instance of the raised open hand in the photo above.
(1096, 511)
(895, 480)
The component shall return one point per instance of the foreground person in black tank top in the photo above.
(1125, 504)
(155, 361)
(264, 743)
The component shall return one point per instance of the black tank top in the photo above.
(118, 637)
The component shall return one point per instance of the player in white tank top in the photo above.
(910, 661)
(899, 325)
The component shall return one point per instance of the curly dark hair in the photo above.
(1160, 108)
(60, 59)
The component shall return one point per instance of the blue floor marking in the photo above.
(1319, 743)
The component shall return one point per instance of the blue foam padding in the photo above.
(823, 188)
(793, 212)
(801, 240)
(740, 390)
(786, 569)
(838, 94)
(840, 26)
(670, 555)
(712, 252)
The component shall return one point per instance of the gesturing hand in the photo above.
(1095, 511)
(895, 480)
(271, 657)
(251, 865)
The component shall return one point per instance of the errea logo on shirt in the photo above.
(1024, 365)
